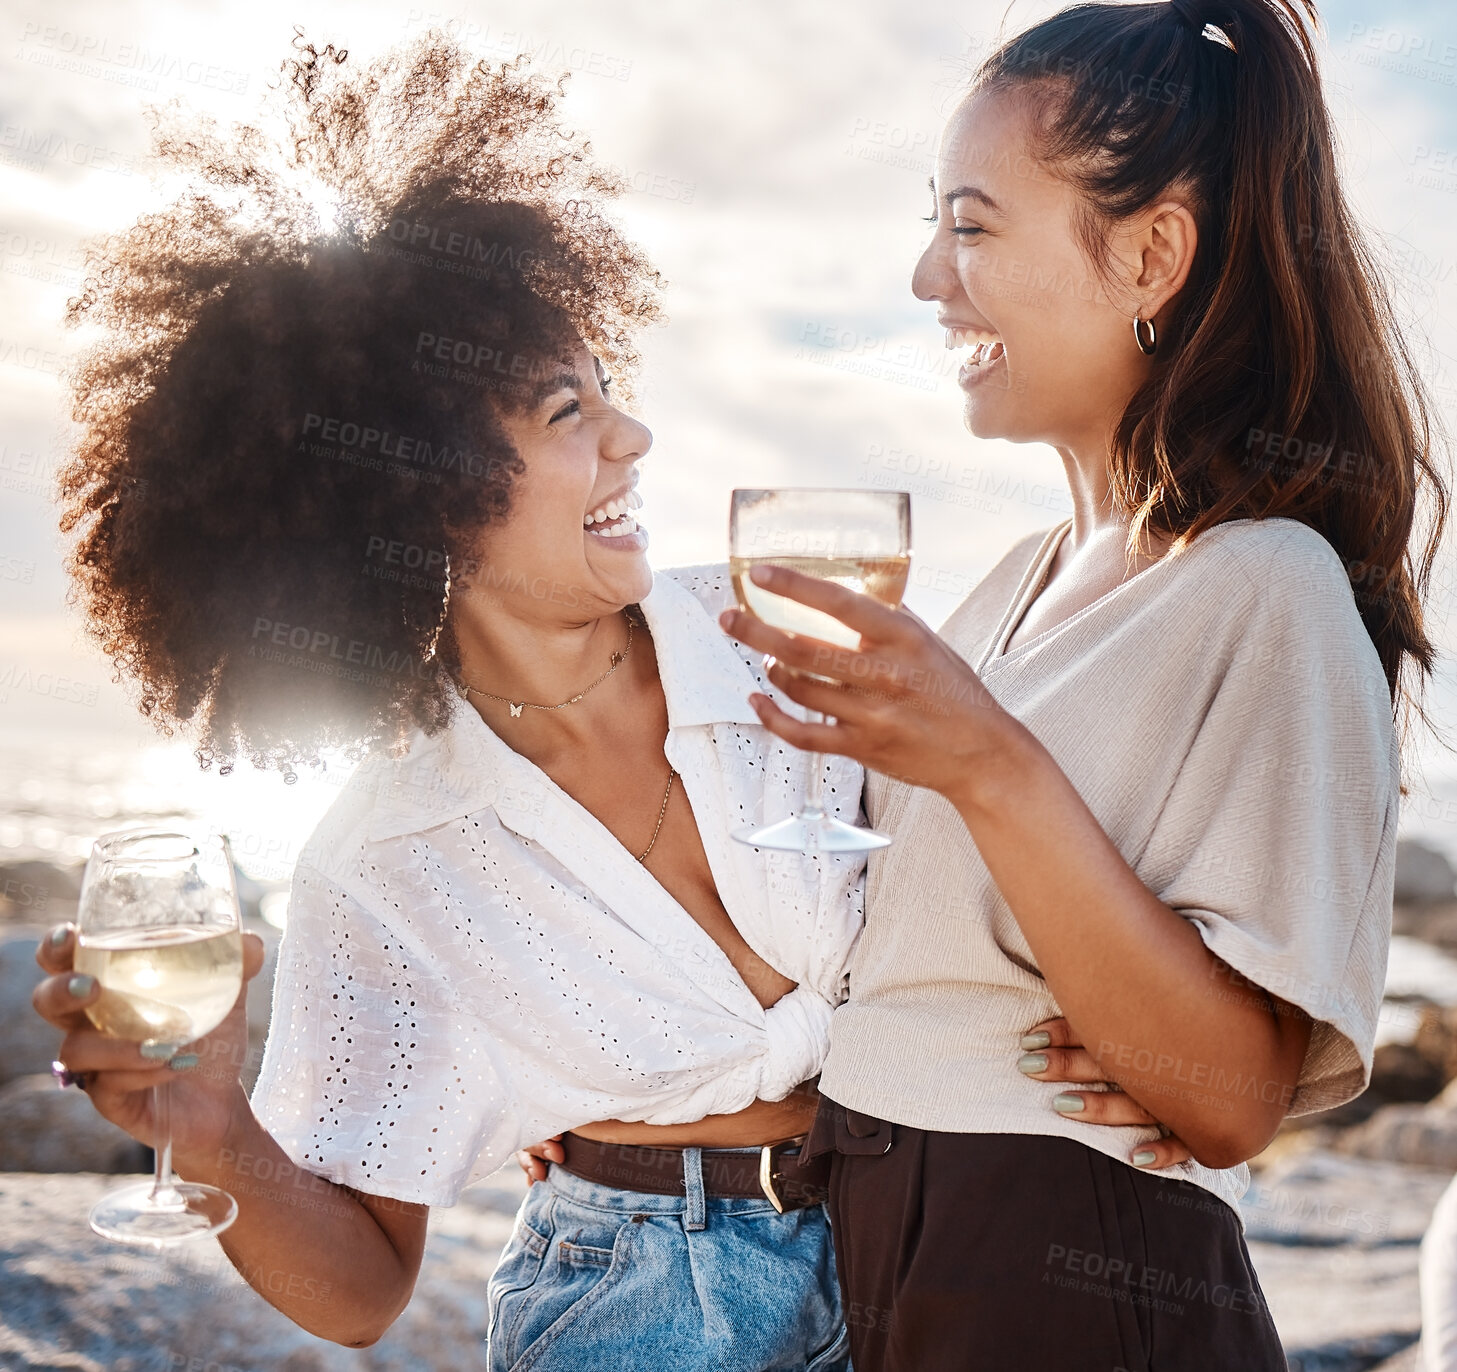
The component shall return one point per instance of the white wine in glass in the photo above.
(158, 927)
(856, 538)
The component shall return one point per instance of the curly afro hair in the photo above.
(293, 417)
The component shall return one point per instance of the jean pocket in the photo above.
(833, 1358)
(582, 1255)
(510, 1285)
(575, 1279)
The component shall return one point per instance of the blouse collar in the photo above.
(466, 766)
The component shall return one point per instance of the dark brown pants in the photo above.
(1023, 1253)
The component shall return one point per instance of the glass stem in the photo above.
(164, 1195)
(813, 805)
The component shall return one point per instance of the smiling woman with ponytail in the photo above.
(1284, 389)
(1144, 784)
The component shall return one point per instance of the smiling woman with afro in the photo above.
(292, 419)
(368, 363)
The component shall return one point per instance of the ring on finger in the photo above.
(65, 1077)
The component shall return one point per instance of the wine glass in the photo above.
(856, 538)
(158, 927)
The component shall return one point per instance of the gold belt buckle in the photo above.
(766, 1176)
(767, 1173)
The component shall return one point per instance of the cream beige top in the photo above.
(1224, 715)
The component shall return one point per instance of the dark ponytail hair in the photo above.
(1282, 386)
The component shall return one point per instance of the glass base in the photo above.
(820, 833)
(187, 1210)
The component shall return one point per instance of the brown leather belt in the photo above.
(774, 1171)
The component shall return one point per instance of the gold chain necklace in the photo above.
(642, 856)
(617, 660)
(518, 705)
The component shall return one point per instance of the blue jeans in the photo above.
(594, 1278)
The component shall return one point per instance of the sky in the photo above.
(777, 155)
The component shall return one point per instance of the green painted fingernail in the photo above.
(1067, 1104)
(183, 1061)
(158, 1052)
(81, 985)
(1143, 1157)
(59, 936)
(1032, 1062)
(1041, 1039)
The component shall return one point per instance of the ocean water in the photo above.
(60, 790)
(59, 793)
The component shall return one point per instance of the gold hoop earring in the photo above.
(444, 609)
(1147, 349)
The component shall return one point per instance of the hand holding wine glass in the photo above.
(157, 962)
(119, 1080)
(903, 703)
(855, 540)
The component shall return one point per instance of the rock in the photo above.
(1335, 1240)
(1423, 874)
(39, 892)
(27, 1043)
(1405, 1361)
(1447, 1098)
(1402, 1072)
(1435, 925)
(1418, 973)
(1323, 1199)
(1419, 1135)
(43, 1129)
(1355, 1355)
(1436, 1039)
(72, 1300)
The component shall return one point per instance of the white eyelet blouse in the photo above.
(473, 962)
